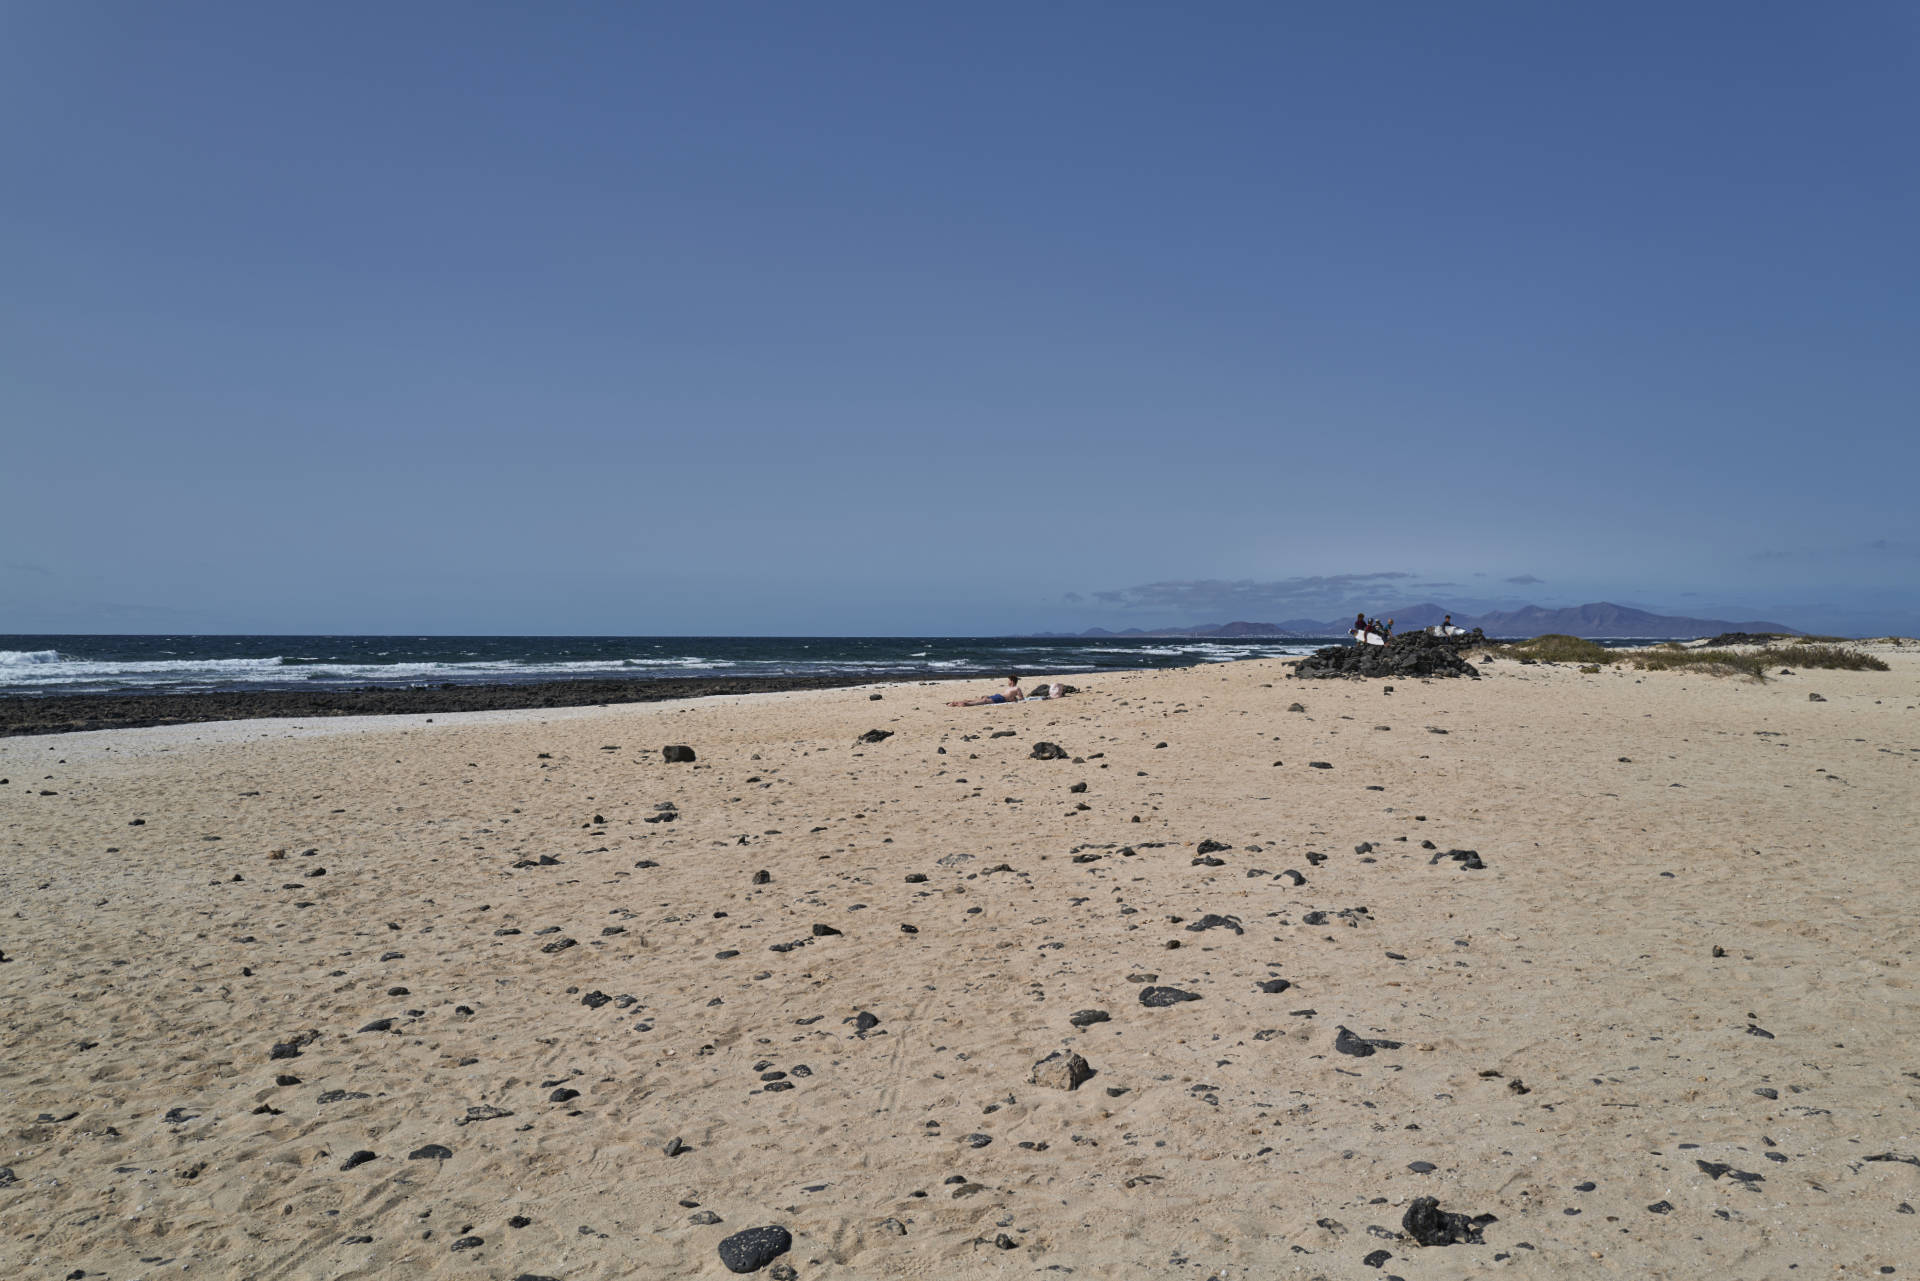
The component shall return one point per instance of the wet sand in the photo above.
(1666, 1028)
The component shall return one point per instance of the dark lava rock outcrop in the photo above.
(1411, 655)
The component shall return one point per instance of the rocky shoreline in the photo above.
(67, 713)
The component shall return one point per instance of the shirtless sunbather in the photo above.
(1011, 694)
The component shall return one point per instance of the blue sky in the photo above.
(763, 318)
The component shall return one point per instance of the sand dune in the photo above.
(501, 970)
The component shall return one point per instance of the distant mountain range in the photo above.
(1598, 620)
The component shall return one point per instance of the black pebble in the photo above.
(1160, 997)
(431, 1152)
(358, 1158)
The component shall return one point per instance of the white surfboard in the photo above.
(1438, 630)
(1367, 638)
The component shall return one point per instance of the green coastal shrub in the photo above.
(1758, 662)
(1556, 647)
(1834, 656)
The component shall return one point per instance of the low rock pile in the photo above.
(1413, 654)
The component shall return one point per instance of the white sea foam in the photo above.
(47, 671)
(27, 657)
(1208, 650)
(27, 671)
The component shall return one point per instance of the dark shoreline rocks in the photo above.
(67, 713)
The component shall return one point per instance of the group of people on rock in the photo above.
(1365, 626)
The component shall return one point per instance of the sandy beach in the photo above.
(507, 994)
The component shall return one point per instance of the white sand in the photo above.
(1242, 1145)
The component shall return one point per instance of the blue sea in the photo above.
(191, 664)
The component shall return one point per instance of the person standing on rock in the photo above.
(1011, 694)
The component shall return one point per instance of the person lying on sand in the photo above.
(1011, 694)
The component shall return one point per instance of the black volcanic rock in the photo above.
(62, 713)
(1413, 654)
(1428, 1224)
(755, 1248)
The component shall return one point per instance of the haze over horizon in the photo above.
(754, 320)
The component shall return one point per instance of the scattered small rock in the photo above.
(1061, 1070)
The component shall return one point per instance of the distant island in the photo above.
(1600, 620)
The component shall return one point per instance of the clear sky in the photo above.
(884, 318)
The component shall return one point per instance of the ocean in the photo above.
(45, 665)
